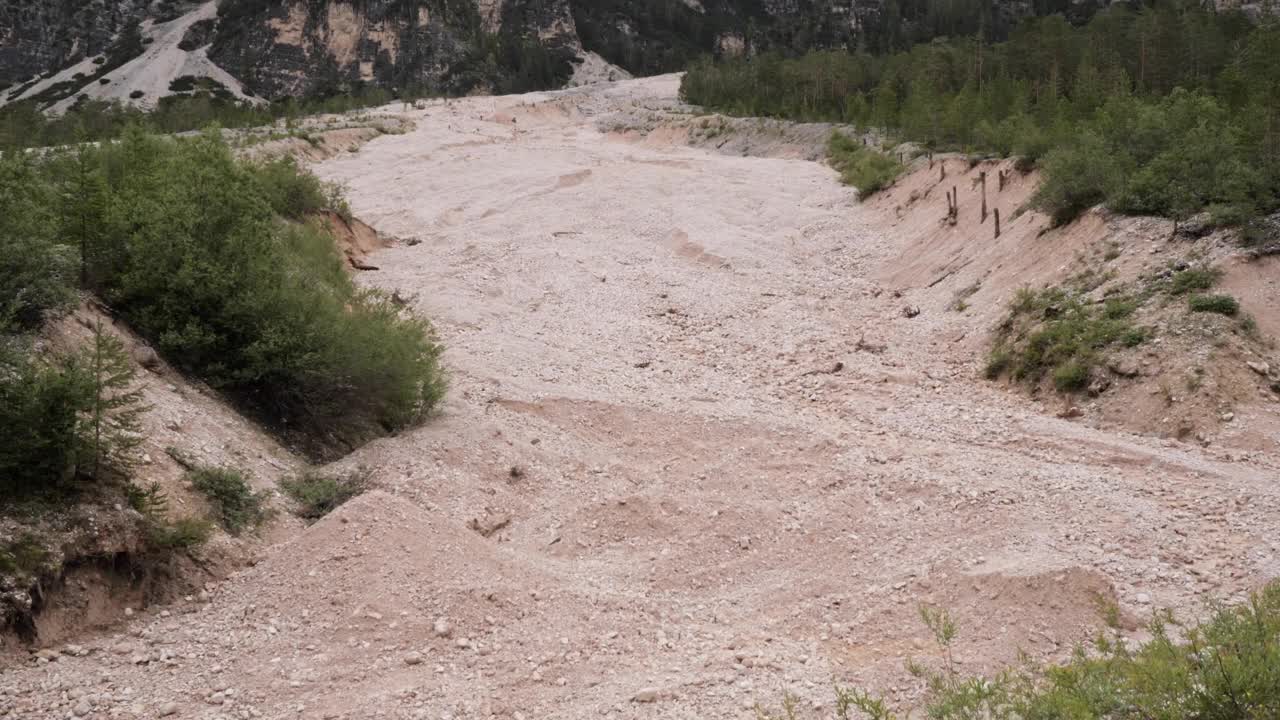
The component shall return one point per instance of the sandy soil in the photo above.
(694, 455)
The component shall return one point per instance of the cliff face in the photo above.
(36, 37)
(278, 48)
(322, 46)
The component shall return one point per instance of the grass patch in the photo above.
(317, 494)
(1056, 333)
(1227, 667)
(1220, 304)
(1194, 280)
(180, 535)
(235, 504)
(865, 169)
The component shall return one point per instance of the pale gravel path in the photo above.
(642, 333)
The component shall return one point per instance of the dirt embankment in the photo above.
(94, 557)
(1197, 377)
(694, 455)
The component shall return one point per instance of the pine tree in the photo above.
(110, 427)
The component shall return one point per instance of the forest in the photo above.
(1165, 109)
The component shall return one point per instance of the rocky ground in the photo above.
(694, 456)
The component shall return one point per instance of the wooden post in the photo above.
(982, 177)
(1002, 178)
(930, 159)
(997, 211)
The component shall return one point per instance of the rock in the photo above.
(1228, 416)
(167, 709)
(1071, 412)
(146, 357)
(1142, 599)
(1098, 386)
(910, 311)
(82, 708)
(442, 627)
(646, 695)
(744, 543)
(1261, 368)
(1196, 226)
(491, 523)
(413, 658)
(1123, 367)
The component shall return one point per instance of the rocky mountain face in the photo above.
(279, 48)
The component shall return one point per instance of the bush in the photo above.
(293, 192)
(65, 422)
(184, 534)
(318, 495)
(1220, 304)
(1193, 279)
(233, 500)
(865, 169)
(200, 262)
(1071, 376)
(1226, 668)
(1076, 177)
(1057, 333)
(37, 274)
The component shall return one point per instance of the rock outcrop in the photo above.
(295, 48)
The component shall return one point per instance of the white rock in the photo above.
(442, 627)
(646, 695)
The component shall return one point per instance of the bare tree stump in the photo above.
(997, 212)
(982, 177)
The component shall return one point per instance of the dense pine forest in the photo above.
(1165, 109)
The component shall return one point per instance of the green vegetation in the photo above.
(318, 494)
(862, 167)
(1058, 333)
(181, 535)
(66, 423)
(1194, 279)
(1220, 304)
(1163, 110)
(23, 557)
(214, 260)
(234, 502)
(1225, 668)
(23, 124)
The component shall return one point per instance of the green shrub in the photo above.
(291, 191)
(318, 495)
(1057, 333)
(67, 421)
(1194, 279)
(37, 274)
(865, 169)
(1071, 376)
(1225, 668)
(200, 262)
(184, 534)
(1220, 304)
(1076, 177)
(233, 500)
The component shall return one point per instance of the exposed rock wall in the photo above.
(280, 48)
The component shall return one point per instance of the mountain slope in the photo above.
(53, 53)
